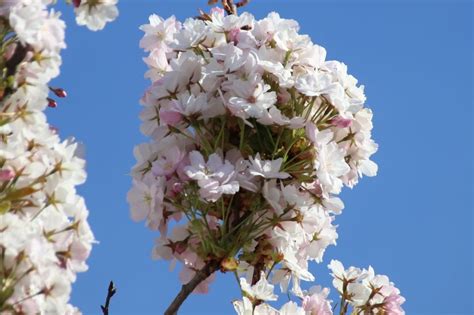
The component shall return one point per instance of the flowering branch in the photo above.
(201, 275)
(253, 136)
(45, 237)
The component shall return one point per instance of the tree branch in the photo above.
(229, 6)
(189, 287)
(110, 292)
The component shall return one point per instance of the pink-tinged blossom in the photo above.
(392, 303)
(267, 168)
(341, 122)
(170, 117)
(215, 177)
(167, 162)
(251, 99)
(145, 199)
(316, 302)
(6, 174)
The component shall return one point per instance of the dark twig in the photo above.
(110, 292)
(189, 287)
(229, 6)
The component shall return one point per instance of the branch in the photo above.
(229, 6)
(189, 287)
(110, 292)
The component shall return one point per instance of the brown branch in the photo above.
(229, 6)
(110, 292)
(258, 268)
(189, 287)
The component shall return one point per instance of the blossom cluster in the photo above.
(361, 289)
(253, 135)
(45, 238)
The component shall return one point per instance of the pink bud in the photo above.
(315, 188)
(283, 97)
(234, 35)
(6, 175)
(55, 130)
(177, 188)
(217, 10)
(59, 92)
(76, 3)
(170, 117)
(341, 122)
(52, 103)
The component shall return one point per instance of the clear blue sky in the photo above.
(412, 222)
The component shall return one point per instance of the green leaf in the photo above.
(5, 206)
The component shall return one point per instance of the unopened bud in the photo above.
(55, 130)
(234, 35)
(216, 9)
(59, 92)
(6, 174)
(52, 103)
(229, 264)
(341, 122)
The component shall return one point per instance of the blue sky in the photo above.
(412, 222)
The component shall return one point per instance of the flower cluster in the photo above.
(45, 238)
(362, 290)
(253, 135)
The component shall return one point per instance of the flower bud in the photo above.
(6, 174)
(341, 122)
(229, 264)
(59, 92)
(52, 103)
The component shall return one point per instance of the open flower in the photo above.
(215, 177)
(267, 168)
(96, 13)
(262, 290)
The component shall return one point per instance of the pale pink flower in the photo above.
(267, 168)
(316, 302)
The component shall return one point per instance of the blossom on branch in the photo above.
(260, 134)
